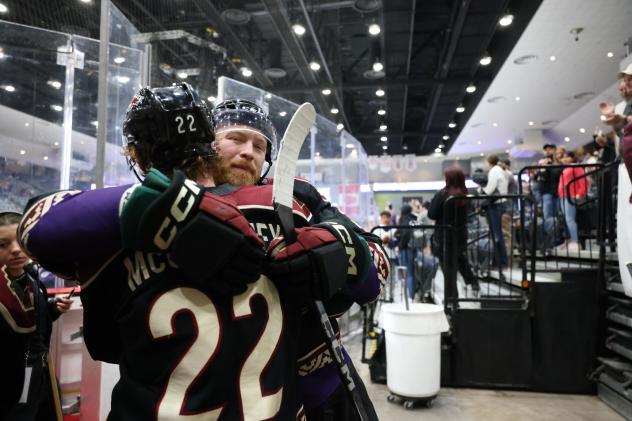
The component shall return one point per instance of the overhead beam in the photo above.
(446, 61)
(390, 133)
(210, 11)
(382, 83)
(408, 61)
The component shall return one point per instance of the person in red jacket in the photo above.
(576, 191)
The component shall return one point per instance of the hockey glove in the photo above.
(325, 259)
(207, 237)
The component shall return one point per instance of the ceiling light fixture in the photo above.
(9, 88)
(119, 60)
(567, 139)
(482, 154)
(246, 72)
(335, 110)
(552, 58)
(383, 127)
(378, 66)
(470, 88)
(326, 91)
(495, 124)
(314, 65)
(45, 158)
(506, 20)
(384, 147)
(509, 141)
(485, 60)
(582, 130)
(437, 150)
(531, 123)
(282, 113)
(460, 109)
(610, 54)
(381, 112)
(22, 152)
(379, 92)
(182, 75)
(479, 142)
(211, 99)
(57, 108)
(383, 138)
(3, 8)
(54, 83)
(298, 29)
(122, 79)
(374, 29)
(446, 137)
(340, 126)
(452, 125)
(517, 98)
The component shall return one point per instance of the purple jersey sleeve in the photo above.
(65, 229)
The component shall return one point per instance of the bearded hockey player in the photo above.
(240, 133)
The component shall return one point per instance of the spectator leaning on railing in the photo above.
(577, 191)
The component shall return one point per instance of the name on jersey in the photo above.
(142, 266)
(349, 249)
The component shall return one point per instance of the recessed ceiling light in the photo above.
(326, 91)
(610, 54)
(495, 124)
(374, 29)
(298, 29)
(85, 1)
(479, 142)
(56, 143)
(335, 110)
(441, 145)
(582, 130)
(452, 125)
(485, 60)
(182, 75)
(314, 65)
(383, 138)
(45, 158)
(384, 147)
(531, 123)
(552, 58)
(57, 107)
(340, 126)
(506, 20)
(95, 123)
(470, 88)
(54, 83)
(246, 72)
(22, 152)
(268, 96)
(122, 79)
(460, 109)
(517, 98)
(211, 98)
(405, 147)
(9, 88)
(383, 127)
(3, 8)
(509, 141)
(378, 66)
(119, 60)
(380, 92)
(317, 153)
(27, 124)
(282, 113)
(437, 150)
(446, 137)
(567, 139)
(381, 112)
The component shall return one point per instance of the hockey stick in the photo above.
(282, 197)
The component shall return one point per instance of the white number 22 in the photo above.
(180, 122)
(255, 406)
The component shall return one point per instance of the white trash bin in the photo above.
(413, 350)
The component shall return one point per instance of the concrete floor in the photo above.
(487, 405)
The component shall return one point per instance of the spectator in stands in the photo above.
(407, 252)
(570, 191)
(455, 214)
(617, 117)
(388, 237)
(548, 179)
(497, 185)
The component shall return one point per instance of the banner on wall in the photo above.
(388, 163)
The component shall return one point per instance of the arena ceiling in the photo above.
(430, 52)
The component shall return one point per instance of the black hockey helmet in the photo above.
(173, 123)
(241, 112)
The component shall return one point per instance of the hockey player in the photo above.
(240, 162)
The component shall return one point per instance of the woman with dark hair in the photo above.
(443, 243)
